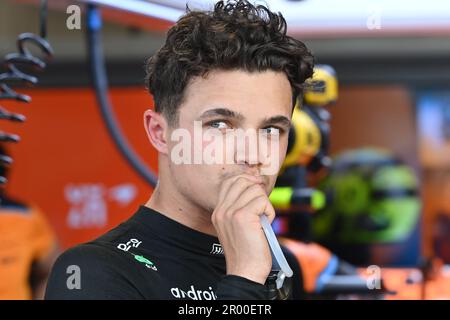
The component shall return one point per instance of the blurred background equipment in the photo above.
(100, 83)
(324, 274)
(307, 151)
(28, 247)
(373, 198)
(309, 134)
(14, 74)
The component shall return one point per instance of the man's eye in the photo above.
(218, 124)
(272, 130)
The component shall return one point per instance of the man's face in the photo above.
(222, 106)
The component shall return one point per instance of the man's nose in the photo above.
(247, 152)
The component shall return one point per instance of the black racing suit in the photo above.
(151, 256)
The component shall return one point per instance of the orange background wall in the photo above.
(381, 116)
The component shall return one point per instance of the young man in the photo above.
(220, 72)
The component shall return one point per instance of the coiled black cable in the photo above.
(15, 76)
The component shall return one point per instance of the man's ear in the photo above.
(155, 126)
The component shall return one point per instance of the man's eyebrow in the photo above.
(224, 112)
(281, 120)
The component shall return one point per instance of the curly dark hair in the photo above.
(236, 35)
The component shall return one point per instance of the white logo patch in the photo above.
(216, 249)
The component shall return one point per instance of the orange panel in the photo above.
(67, 164)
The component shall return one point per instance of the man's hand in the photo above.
(242, 199)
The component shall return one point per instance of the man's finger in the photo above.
(228, 183)
(240, 186)
(252, 192)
